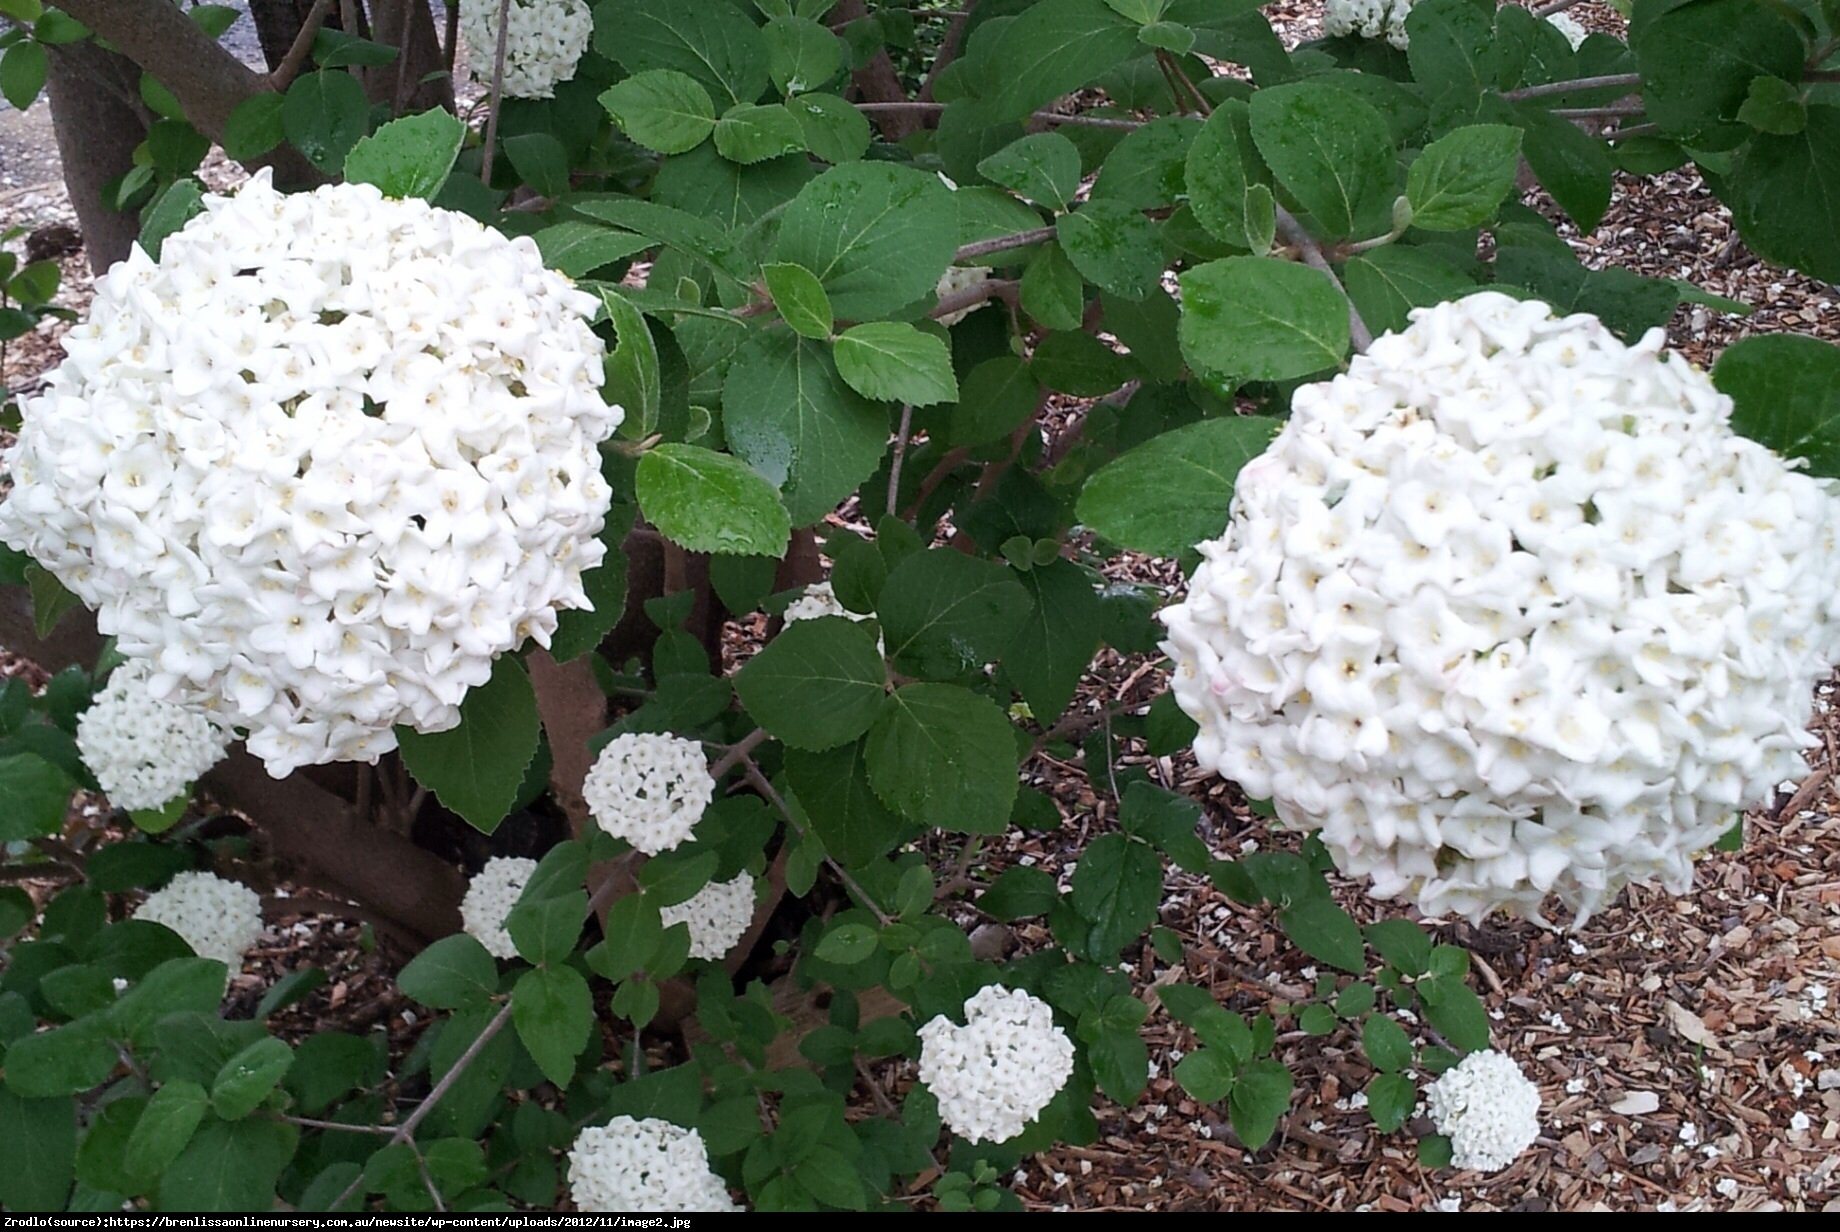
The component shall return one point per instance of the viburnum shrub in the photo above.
(738, 447)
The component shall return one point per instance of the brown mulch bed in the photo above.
(1688, 1049)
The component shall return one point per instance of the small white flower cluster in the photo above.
(996, 1073)
(321, 464)
(960, 278)
(143, 751)
(1488, 1110)
(1368, 19)
(544, 40)
(649, 1166)
(490, 896)
(1509, 611)
(1570, 27)
(649, 788)
(219, 919)
(819, 600)
(717, 915)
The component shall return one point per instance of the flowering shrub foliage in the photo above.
(365, 472)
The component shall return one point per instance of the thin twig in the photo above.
(900, 457)
(1598, 113)
(1046, 117)
(736, 752)
(302, 47)
(1312, 255)
(1002, 243)
(1628, 131)
(1572, 87)
(760, 784)
(311, 1123)
(498, 91)
(1555, 6)
(1194, 92)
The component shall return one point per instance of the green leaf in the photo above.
(229, 1166)
(1117, 886)
(1057, 639)
(1222, 169)
(894, 362)
(1332, 150)
(475, 769)
(1390, 1100)
(834, 130)
(1387, 283)
(633, 932)
(324, 114)
(254, 127)
(817, 685)
(1147, 170)
(175, 987)
(579, 248)
(545, 930)
(1113, 246)
(1079, 364)
(1054, 48)
(22, 73)
(1262, 319)
(579, 630)
(788, 412)
(177, 204)
(711, 502)
(1575, 168)
(1627, 303)
(833, 788)
(1386, 1044)
(409, 157)
(1784, 194)
(554, 1014)
(1321, 929)
(686, 232)
(1452, 50)
(1786, 391)
(1260, 1096)
(1454, 1009)
(847, 944)
(1316, 1020)
(246, 1078)
(800, 298)
(751, 133)
(1434, 1152)
(1698, 58)
(633, 380)
(49, 599)
(877, 236)
(801, 54)
(1042, 167)
(995, 399)
(1017, 893)
(944, 758)
(1402, 943)
(62, 1061)
(1774, 106)
(1206, 1074)
(1052, 291)
(37, 796)
(39, 1163)
(716, 44)
(1462, 178)
(452, 974)
(1174, 490)
(540, 160)
(944, 613)
(662, 110)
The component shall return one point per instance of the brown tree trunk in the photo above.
(408, 26)
(99, 119)
(876, 81)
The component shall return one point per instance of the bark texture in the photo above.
(98, 119)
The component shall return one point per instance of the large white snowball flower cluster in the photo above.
(1369, 19)
(219, 919)
(1508, 611)
(996, 1073)
(490, 896)
(145, 752)
(321, 463)
(544, 41)
(649, 1166)
(717, 915)
(649, 789)
(1488, 1110)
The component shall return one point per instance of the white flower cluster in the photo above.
(1508, 610)
(1371, 19)
(961, 278)
(544, 41)
(490, 896)
(996, 1073)
(648, 1166)
(819, 600)
(1570, 27)
(1368, 19)
(649, 789)
(143, 751)
(321, 464)
(219, 919)
(717, 915)
(1488, 1110)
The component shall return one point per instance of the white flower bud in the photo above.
(490, 896)
(649, 789)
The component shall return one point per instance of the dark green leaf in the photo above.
(554, 1014)
(1387, 283)
(1321, 929)
(896, 362)
(1698, 58)
(751, 133)
(711, 502)
(545, 929)
(1116, 887)
(228, 1167)
(801, 54)
(1455, 1010)
(997, 396)
(1054, 48)
(1017, 893)
(877, 236)
(1784, 194)
(324, 114)
(800, 298)
(1259, 1098)
(176, 205)
(1402, 943)
(1173, 491)
(817, 685)
(475, 769)
(1390, 1100)
(945, 758)
(454, 973)
(833, 787)
(1043, 167)
(662, 109)
(1223, 166)
(246, 1078)
(1057, 639)
(1113, 246)
(1386, 1044)
(22, 73)
(1262, 319)
(1332, 151)
(409, 157)
(254, 127)
(944, 613)
(1052, 291)
(847, 944)
(37, 795)
(39, 1162)
(579, 248)
(1463, 177)
(62, 1061)
(1786, 391)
